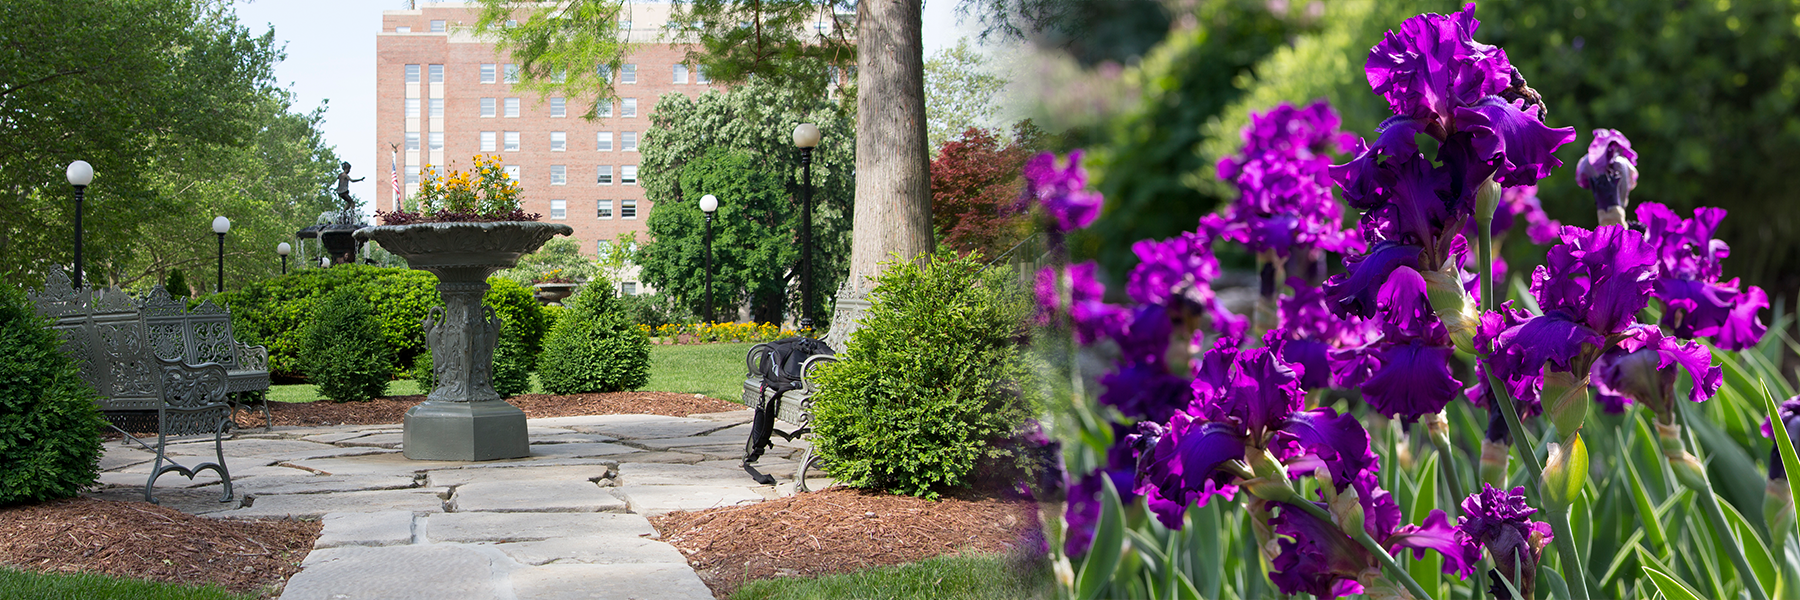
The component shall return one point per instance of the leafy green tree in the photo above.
(753, 124)
(594, 346)
(342, 350)
(49, 424)
(175, 105)
(962, 90)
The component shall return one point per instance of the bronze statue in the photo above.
(343, 188)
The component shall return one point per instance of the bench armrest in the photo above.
(806, 371)
(752, 360)
(192, 386)
(251, 358)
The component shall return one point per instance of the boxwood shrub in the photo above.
(49, 425)
(594, 346)
(932, 384)
(343, 352)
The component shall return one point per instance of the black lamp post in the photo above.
(220, 226)
(708, 204)
(806, 137)
(80, 175)
(283, 249)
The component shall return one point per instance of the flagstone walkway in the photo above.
(567, 522)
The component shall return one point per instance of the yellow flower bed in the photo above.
(722, 332)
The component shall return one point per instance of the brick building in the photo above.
(442, 97)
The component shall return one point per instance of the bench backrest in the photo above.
(105, 333)
(197, 336)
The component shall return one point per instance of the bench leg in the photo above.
(807, 462)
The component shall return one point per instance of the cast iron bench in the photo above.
(106, 334)
(203, 335)
(793, 406)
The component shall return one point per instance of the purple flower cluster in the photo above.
(1696, 303)
(1466, 95)
(1060, 191)
(1499, 521)
(1284, 186)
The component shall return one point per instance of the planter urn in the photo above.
(463, 418)
(554, 293)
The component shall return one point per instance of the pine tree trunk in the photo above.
(893, 168)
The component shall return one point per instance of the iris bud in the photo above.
(1453, 306)
(1494, 459)
(1271, 482)
(1487, 200)
(1565, 473)
(1778, 508)
(1565, 400)
(1347, 509)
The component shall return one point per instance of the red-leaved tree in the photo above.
(975, 185)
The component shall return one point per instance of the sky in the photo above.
(330, 62)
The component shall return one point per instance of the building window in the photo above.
(437, 108)
(603, 210)
(559, 141)
(559, 209)
(604, 109)
(487, 107)
(412, 173)
(412, 140)
(435, 72)
(512, 107)
(412, 108)
(512, 141)
(628, 107)
(512, 73)
(437, 26)
(603, 141)
(559, 107)
(402, 29)
(512, 172)
(681, 72)
(628, 73)
(606, 73)
(627, 176)
(488, 141)
(489, 72)
(511, 23)
(700, 75)
(628, 141)
(628, 209)
(603, 176)
(559, 76)
(412, 73)
(437, 140)
(559, 175)
(628, 288)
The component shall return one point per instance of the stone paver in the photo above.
(385, 528)
(533, 496)
(569, 521)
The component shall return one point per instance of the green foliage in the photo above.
(558, 45)
(559, 257)
(116, 83)
(343, 352)
(16, 583)
(655, 310)
(594, 347)
(948, 577)
(741, 141)
(962, 90)
(423, 373)
(931, 383)
(274, 312)
(698, 369)
(512, 363)
(177, 285)
(49, 426)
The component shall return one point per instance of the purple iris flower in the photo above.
(1609, 170)
(1789, 412)
(1284, 188)
(1524, 387)
(1082, 513)
(1059, 191)
(1591, 287)
(1178, 272)
(1499, 521)
(1142, 387)
(1642, 368)
(1317, 557)
(1689, 266)
(1093, 318)
(1245, 400)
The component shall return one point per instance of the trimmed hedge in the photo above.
(49, 424)
(274, 312)
(594, 347)
(342, 351)
(932, 384)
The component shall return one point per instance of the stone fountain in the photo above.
(463, 418)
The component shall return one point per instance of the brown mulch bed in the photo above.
(146, 541)
(837, 531)
(392, 409)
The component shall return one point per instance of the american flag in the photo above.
(394, 168)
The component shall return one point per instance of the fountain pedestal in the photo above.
(463, 418)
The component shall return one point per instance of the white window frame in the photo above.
(434, 73)
(439, 26)
(559, 141)
(512, 108)
(603, 175)
(490, 108)
(512, 172)
(559, 175)
(680, 73)
(412, 173)
(510, 141)
(490, 73)
(603, 210)
(628, 141)
(490, 141)
(628, 72)
(559, 209)
(434, 140)
(700, 75)
(627, 108)
(413, 73)
(412, 141)
(559, 108)
(605, 110)
(628, 175)
(511, 72)
(628, 208)
(603, 141)
(412, 108)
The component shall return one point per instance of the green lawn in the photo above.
(959, 577)
(716, 370)
(88, 586)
